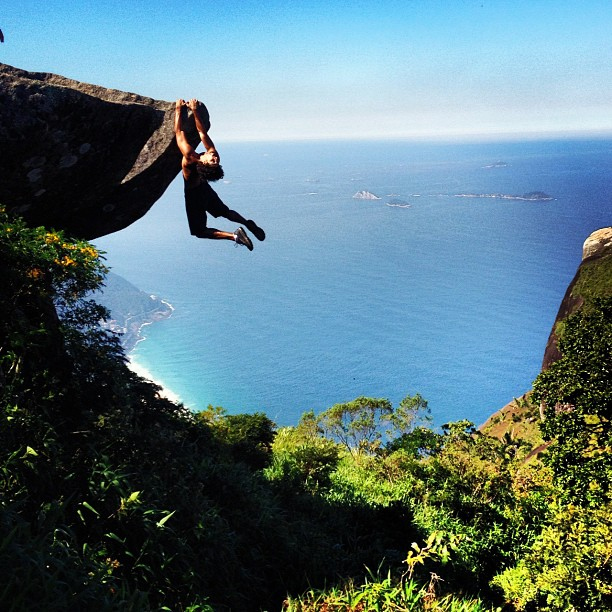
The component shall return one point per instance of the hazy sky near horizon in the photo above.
(281, 69)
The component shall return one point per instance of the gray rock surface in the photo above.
(80, 157)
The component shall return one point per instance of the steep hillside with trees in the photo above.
(130, 309)
(114, 498)
(593, 280)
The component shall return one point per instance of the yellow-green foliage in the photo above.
(519, 421)
(383, 594)
(572, 555)
(374, 480)
(303, 455)
(38, 258)
(595, 279)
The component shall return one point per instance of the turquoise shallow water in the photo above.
(452, 297)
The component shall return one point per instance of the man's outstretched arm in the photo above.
(181, 139)
(189, 153)
(193, 105)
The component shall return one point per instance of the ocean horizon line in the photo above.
(446, 138)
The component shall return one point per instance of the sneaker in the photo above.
(241, 238)
(255, 230)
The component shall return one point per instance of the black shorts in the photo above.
(199, 201)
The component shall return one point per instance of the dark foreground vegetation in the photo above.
(114, 498)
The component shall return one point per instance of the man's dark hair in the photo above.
(210, 172)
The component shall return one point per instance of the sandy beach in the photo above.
(142, 371)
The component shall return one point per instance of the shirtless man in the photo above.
(198, 170)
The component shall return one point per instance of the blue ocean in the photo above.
(432, 288)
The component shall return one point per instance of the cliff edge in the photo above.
(80, 157)
(593, 279)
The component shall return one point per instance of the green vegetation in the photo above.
(114, 498)
(595, 280)
(519, 421)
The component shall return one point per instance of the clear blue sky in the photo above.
(281, 69)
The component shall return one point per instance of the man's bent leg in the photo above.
(255, 230)
(239, 236)
(212, 234)
(232, 215)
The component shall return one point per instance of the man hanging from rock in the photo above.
(198, 170)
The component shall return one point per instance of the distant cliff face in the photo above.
(593, 279)
(131, 309)
(80, 157)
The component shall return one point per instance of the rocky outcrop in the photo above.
(593, 279)
(598, 243)
(82, 158)
(365, 195)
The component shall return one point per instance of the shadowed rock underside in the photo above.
(80, 157)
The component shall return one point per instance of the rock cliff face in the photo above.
(80, 157)
(593, 279)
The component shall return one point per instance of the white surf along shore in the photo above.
(139, 369)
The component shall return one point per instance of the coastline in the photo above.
(143, 372)
(133, 333)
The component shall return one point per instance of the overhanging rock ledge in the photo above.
(80, 157)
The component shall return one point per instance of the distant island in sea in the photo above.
(396, 203)
(131, 309)
(532, 196)
(365, 195)
(499, 164)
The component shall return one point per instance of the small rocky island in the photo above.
(535, 195)
(365, 195)
(131, 309)
(499, 164)
(396, 203)
(532, 196)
